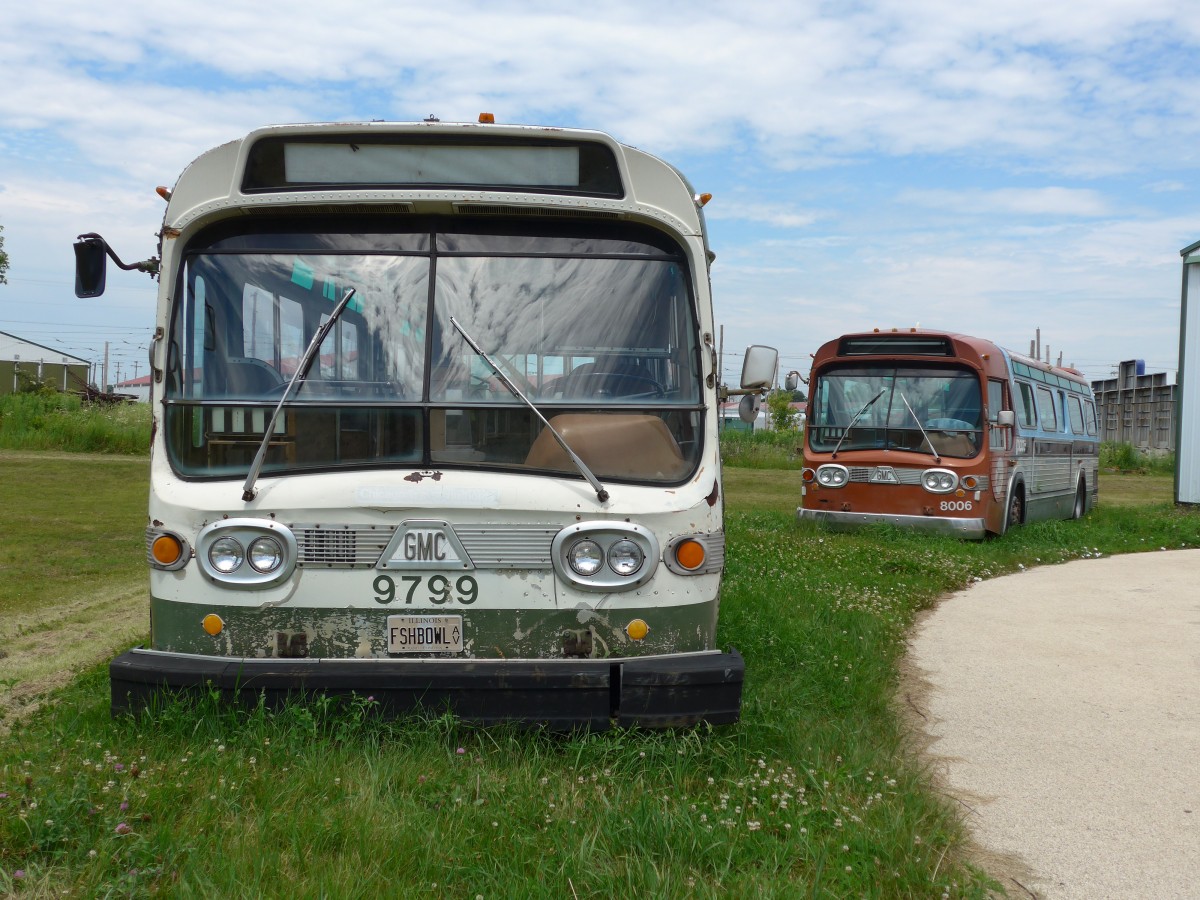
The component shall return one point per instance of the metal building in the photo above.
(1187, 459)
(25, 363)
(1137, 408)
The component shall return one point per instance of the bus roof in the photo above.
(920, 343)
(433, 167)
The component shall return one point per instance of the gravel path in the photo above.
(1062, 706)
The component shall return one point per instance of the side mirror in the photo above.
(791, 381)
(1006, 418)
(759, 367)
(90, 266)
(748, 408)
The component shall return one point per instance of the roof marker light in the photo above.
(487, 119)
(702, 199)
(164, 192)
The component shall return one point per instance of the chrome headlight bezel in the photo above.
(606, 537)
(245, 533)
(832, 475)
(939, 481)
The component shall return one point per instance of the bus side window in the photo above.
(995, 399)
(1047, 414)
(1075, 410)
(1090, 416)
(1026, 411)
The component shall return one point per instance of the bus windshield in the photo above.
(597, 328)
(919, 408)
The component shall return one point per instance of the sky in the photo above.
(990, 168)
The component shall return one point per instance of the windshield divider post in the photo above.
(601, 494)
(936, 457)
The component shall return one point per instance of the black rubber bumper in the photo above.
(648, 692)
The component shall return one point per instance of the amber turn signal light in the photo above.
(690, 554)
(166, 549)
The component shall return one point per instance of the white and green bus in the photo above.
(435, 422)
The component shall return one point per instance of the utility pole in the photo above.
(104, 386)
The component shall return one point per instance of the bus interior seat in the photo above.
(246, 376)
(953, 444)
(612, 446)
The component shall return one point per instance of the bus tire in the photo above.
(1080, 501)
(1014, 513)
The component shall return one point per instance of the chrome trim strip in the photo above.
(964, 528)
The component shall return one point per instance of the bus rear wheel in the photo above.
(1080, 501)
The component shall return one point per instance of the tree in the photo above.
(3, 259)
(781, 414)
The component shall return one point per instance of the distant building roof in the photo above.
(13, 347)
(143, 381)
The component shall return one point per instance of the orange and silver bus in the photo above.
(945, 433)
(435, 421)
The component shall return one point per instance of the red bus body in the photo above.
(944, 433)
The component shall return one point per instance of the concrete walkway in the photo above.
(1062, 706)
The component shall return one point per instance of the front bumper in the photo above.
(560, 694)
(973, 529)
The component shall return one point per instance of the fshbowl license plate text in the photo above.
(425, 634)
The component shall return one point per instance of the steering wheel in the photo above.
(617, 384)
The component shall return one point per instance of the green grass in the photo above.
(1127, 458)
(815, 793)
(762, 449)
(53, 421)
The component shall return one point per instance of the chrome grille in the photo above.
(488, 546)
(340, 546)
(507, 546)
(908, 477)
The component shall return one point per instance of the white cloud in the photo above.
(1053, 201)
(847, 128)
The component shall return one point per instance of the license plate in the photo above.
(425, 634)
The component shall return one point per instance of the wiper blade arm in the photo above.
(857, 416)
(936, 457)
(601, 494)
(306, 361)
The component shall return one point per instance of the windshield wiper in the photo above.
(936, 457)
(857, 416)
(306, 361)
(601, 494)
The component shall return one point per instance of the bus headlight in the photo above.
(586, 558)
(226, 555)
(605, 556)
(265, 554)
(246, 553)
(625, 557)
(833, 476)
(939, 481)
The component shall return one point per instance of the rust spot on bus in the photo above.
(417, 477)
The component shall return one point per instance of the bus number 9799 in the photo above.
(437, 590)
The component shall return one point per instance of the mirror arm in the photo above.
(149, 266)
